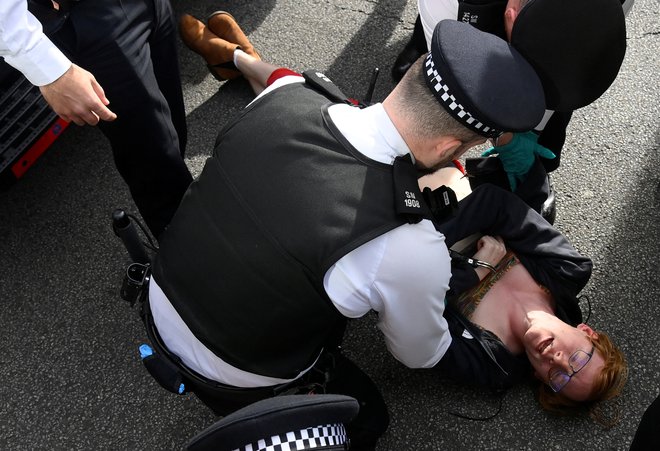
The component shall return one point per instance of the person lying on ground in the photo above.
(518, 314)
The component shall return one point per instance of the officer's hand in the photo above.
(518, 156)
(77, 97)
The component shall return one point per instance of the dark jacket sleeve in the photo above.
(476, 356)
(545, 252)
(463, 277)
(553, 137)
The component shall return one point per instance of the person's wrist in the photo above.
(44, 64)
(66, 73)
(504, 139)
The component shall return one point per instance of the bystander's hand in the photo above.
(77, 97)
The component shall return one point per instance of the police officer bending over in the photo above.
(309, 213)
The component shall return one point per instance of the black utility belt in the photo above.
(170, 373)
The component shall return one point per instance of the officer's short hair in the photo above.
(429, 118)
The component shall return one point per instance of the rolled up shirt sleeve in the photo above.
(403, 275)
(25, 47)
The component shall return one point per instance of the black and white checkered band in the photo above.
(441, 92)
(317, 437)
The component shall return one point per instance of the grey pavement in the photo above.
(69, 368)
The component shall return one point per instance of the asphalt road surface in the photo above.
(69, 368)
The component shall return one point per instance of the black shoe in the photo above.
(415, 48)
(549, 208)
(406, 58)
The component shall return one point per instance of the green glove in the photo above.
(518, 156)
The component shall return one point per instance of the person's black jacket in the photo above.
(477, 356)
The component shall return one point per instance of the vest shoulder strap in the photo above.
(322, 84)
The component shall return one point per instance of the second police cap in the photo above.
(482, 81)
(576, 47)
(298, 422)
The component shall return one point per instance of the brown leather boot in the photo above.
(224, 26)
(218, 53)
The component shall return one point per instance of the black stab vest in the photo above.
(283, 198)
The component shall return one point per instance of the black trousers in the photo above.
(553, 137)
(646, 436)
(333, 373)
(130, 47)
(338, 375)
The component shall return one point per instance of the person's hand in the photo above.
(76, 96)
(490, 249)
(518, 156)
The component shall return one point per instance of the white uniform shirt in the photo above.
(24, 46)
(433, 11)
(403, 274)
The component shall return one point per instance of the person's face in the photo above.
(549, 343)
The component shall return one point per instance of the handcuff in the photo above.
(475, 263)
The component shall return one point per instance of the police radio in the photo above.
(138, 273)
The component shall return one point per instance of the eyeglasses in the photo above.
(577, 361)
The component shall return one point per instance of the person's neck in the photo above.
(527, 310)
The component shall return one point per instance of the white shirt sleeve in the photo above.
(24, 46)
(433, 11)
(403, 275)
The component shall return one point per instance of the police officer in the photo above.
(119, 51)
(309, 213)
(576, 48)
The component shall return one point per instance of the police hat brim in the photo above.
(274, 416)
(482, 81)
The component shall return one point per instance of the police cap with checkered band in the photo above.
(482, 81)
(301, 422)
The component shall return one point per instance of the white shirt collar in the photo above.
(370, 130)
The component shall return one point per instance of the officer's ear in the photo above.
(449, 147)
(446, 146)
